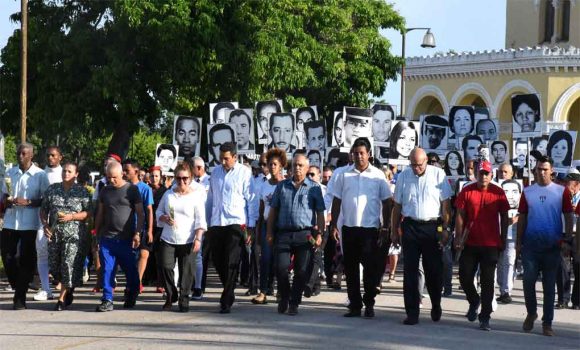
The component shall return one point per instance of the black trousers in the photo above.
(19, 260)
(166, 256)
(576, 290)
(359, 246)
(564, 279)
(420, 239)
(486, 258)
(317, 265)
(329, 247)
(205, 255)
(290, 244)
(226, 245)
(253, 254)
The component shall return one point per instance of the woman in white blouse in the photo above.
(181, 214)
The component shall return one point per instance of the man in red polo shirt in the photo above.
(479, 205)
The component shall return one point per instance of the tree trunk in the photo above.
(120, 141)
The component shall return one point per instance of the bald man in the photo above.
(420, 195)
(119, 222)
(299, 225)
(505, 172)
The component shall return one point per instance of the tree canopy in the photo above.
(102, 67)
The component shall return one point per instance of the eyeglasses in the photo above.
(181, 178)
(417, 165)
(311, 174)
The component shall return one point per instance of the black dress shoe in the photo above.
(184, 304)
(225, 310)
(282, 306)
(69, 297)
(353, 313)
(59, 306)
(410, 321)
(19, 305)
(167, 306)
(436, 313)
(369, 312)
(307, 292)
(293, 310)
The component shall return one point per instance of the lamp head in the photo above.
(428, 40)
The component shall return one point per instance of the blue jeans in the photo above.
(111, 253)
(533, 262)
(266, 263)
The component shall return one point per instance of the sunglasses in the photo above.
(181, 178)
(311, 174)
(263, 164)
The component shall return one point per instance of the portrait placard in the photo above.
(217, 135)
(405, 136)
(166, 157)
(243, 118)
(263, 111)
(560, 148)
(434, 130)
(187, 135)
(527, 116)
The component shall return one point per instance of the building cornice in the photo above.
(539, 59)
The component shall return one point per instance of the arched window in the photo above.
(565, 28)
(548, 21)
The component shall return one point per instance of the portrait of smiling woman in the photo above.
(404, 138)
(560, 147)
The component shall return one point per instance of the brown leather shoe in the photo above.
(547, 331)
(529, 322)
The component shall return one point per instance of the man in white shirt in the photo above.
(201, 177)
(231, 212)
(422, 196)
(359, 193)
(53, 171)
(22, 199)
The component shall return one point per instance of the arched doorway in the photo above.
(573, 117)
(428, 105)
(472, 100)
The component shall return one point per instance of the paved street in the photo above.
(318, 325)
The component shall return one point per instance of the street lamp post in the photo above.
(428, 42)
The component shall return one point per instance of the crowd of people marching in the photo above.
(278, 226)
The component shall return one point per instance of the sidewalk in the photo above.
(318, 325)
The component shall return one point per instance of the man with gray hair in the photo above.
(23, 191)
(119, 223)
(202, 257)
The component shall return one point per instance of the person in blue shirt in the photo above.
(295, 226)
(131, 173)
(232, 219)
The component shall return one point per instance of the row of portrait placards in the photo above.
(455, 138)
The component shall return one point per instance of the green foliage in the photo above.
(98, 67)
(143, 147)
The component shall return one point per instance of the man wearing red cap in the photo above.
(482, 237)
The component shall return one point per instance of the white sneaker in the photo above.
(85, 275)
(8, 289)
(494, 304)
(43, 296)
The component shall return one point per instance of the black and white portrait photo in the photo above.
(336, 158)
(527, 116)
(357, 123)
(263, 111)
(404, 138)
(282, 128)
(485, 127)
(454, 165)
(470, 146)
(513, 191)
(520, 152)
(540, 144)
(461, 123)
(561, 148)
(217, 111)
(434, 133)
(338, 130)
(499, 152)
(302, 116)
(244, 129)
(166, 157)
(315, 134)
(382, 116)
(217, 135)
(315, 158)
(186, 135)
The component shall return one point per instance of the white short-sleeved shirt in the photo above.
(28, 185)
(266, 193)
(361, 195)
(420, 196)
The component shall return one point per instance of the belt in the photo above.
(428, 221)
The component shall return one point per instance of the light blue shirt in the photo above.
(229, 197)
(28, 185)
